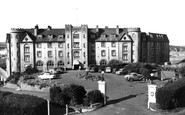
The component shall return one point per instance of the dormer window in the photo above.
(113, 35)
(103, 35)
(61, 36)
(50, 36)
(40, 36)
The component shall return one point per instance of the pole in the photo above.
(48, 107)
(66, 109)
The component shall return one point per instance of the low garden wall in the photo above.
(27, 87)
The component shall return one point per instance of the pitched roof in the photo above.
(155, 37)
(45, 33)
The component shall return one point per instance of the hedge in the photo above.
(172, 95)
(16, 104)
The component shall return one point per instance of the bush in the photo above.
(16, 104)
(70, 94)
(95, 96)
(14, 78)
(172, 95)
(31, 70)
(181, 71)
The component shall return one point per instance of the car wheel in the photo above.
(143, 79)
(131, 79)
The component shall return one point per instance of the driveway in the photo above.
(125, 98)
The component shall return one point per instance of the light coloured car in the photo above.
(119, 71)
(134, 77)
(108, 69)
(46, 75)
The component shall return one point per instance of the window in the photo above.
(26, 49)
(39, 45)
(84, 35)
(125, 47)
(113, 35)
(49, 45)
(61, 36)
(60, 63)
(49, 53)
(60, 54)
(60, 45)
(67, 35)
(50, 36)
(113, 44)
(103, 36)
(67, 45)
(76, 54)
(27, 58)
(39, 54)
(68, 54)
(113, 52)
(103, 53)
(39, 63)
(50, 64)
(102, 44)
(84, 54)
(125, 57)
(103, 62)
(76, 44)
(84, 45)
(39, 36)
(76, 36)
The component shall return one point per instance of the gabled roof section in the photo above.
(29, 36)
(125, 37)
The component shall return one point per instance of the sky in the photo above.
(157, 16)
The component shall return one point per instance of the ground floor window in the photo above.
(103, 62)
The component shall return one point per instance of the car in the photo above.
(46, 75)
(120, 70)
(134, 77)
(58, 70)
(92, 69)
(108, 69)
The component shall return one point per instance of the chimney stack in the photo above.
(117, 30)
(36, 30)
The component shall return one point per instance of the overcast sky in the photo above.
(158, 16)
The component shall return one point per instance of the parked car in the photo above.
(108, 69)
(46, 75)
(120, 70)
(134, 77)
(57, 70)
(92, 69)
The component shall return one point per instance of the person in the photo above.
(102, 75)
(79, 68)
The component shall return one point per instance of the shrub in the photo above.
(172, 95)
(16, 104)
(70, 94)
(54, 93)
(31, 70)
(145, 72)
(14, 78)
(95, 96)
(181, 71)
(78, 93)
